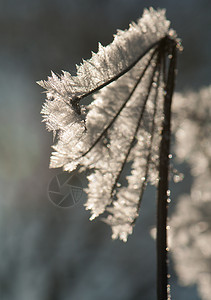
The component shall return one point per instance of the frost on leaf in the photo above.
(191, 222)
(122, 124)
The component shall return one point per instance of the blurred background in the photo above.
(49, 253)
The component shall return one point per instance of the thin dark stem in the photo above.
(163, 185)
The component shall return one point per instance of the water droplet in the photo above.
(168, 200)
(168, 193)
(179, 46)
(143, 178)
(167, 249)
(168, 227)
(154, 84)
(118, 184)
(170, 156)
(178, 177)
(168, 276)
(170, 56)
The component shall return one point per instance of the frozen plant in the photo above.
(132, 80)
(122, 124)
(191, 223)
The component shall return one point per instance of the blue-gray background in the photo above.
(47, 253)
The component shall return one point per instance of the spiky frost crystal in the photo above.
(122, 124)
(190, 237)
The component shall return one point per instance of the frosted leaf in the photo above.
(121, 134)
(111, 61)
(124, 210)
(191, 222)
(192, 128)
(122, 124)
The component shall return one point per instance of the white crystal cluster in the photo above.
(110, 61)
(122, 124)
(191, 222)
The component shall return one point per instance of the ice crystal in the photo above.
(191, 223)
(123, 123)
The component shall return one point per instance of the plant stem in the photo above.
(163, 186)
